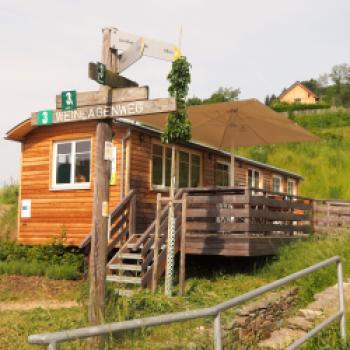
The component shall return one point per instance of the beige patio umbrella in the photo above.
(227, 125)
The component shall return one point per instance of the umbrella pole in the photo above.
(232, 170)
(170, 261)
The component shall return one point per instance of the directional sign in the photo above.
(69, 100)
(101, 73)
(92, 98)
(131, 55)
(44, 117)
(115, 110)
(153, 48)
(111, 79)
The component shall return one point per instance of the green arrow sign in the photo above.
(101, 73)
(45, 117)
(69, 100)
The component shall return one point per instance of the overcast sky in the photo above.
(259, 46)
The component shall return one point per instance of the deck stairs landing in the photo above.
(133, 263)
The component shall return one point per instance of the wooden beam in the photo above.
(93, 98)
(112, 80)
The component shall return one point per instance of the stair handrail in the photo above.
(151, 227)
(115, 213)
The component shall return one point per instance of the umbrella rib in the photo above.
(225, 130)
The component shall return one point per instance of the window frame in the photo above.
(260, 177)
(295, 191)
(228, 164)
(69, 186)
(280, 180)
(178, 149)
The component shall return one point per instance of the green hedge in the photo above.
(54, 261)
(290, 107)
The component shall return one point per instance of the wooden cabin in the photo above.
(56, 175)
(257, 215)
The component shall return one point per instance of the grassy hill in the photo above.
(324, 164)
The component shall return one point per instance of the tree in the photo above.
(178, 127)
(223, 95)
(194, 101)
(340, 75)
(312, 85)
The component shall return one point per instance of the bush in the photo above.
(9, 194)
(54, 261)
(290, 107)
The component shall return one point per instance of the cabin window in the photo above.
(222, 174)
(276, 184)
(71, 166)
(291, 187)
(188, 167)
(253, 178)
(195, 170)
(161, 165)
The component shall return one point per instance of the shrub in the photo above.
(54, 261)
(9, 194)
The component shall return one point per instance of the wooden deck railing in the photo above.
(331, 215)
(246, 211)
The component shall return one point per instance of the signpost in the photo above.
(115, 110)
(118, 97)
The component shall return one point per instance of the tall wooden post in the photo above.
(170, 262)
(99, 237)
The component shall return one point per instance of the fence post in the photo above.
(217, 332)
(53, 346)
(341, 301)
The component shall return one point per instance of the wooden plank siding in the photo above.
(55, 211)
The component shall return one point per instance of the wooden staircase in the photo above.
(141, 259)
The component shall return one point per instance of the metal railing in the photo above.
(53, 339)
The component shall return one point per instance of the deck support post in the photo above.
(156, 244)
(182, 275)
(99, 234)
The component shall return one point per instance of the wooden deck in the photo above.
(243, 221)
(236, 245)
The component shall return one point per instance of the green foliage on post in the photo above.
(178, 127)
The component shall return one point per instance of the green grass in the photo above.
(209, 281)
(36, 268)
(323, 163)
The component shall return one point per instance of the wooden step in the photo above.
(124, 279)
(129, 256)
(125, 267)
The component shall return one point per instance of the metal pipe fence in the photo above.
(52, 340)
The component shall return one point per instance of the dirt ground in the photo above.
(35, 289)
